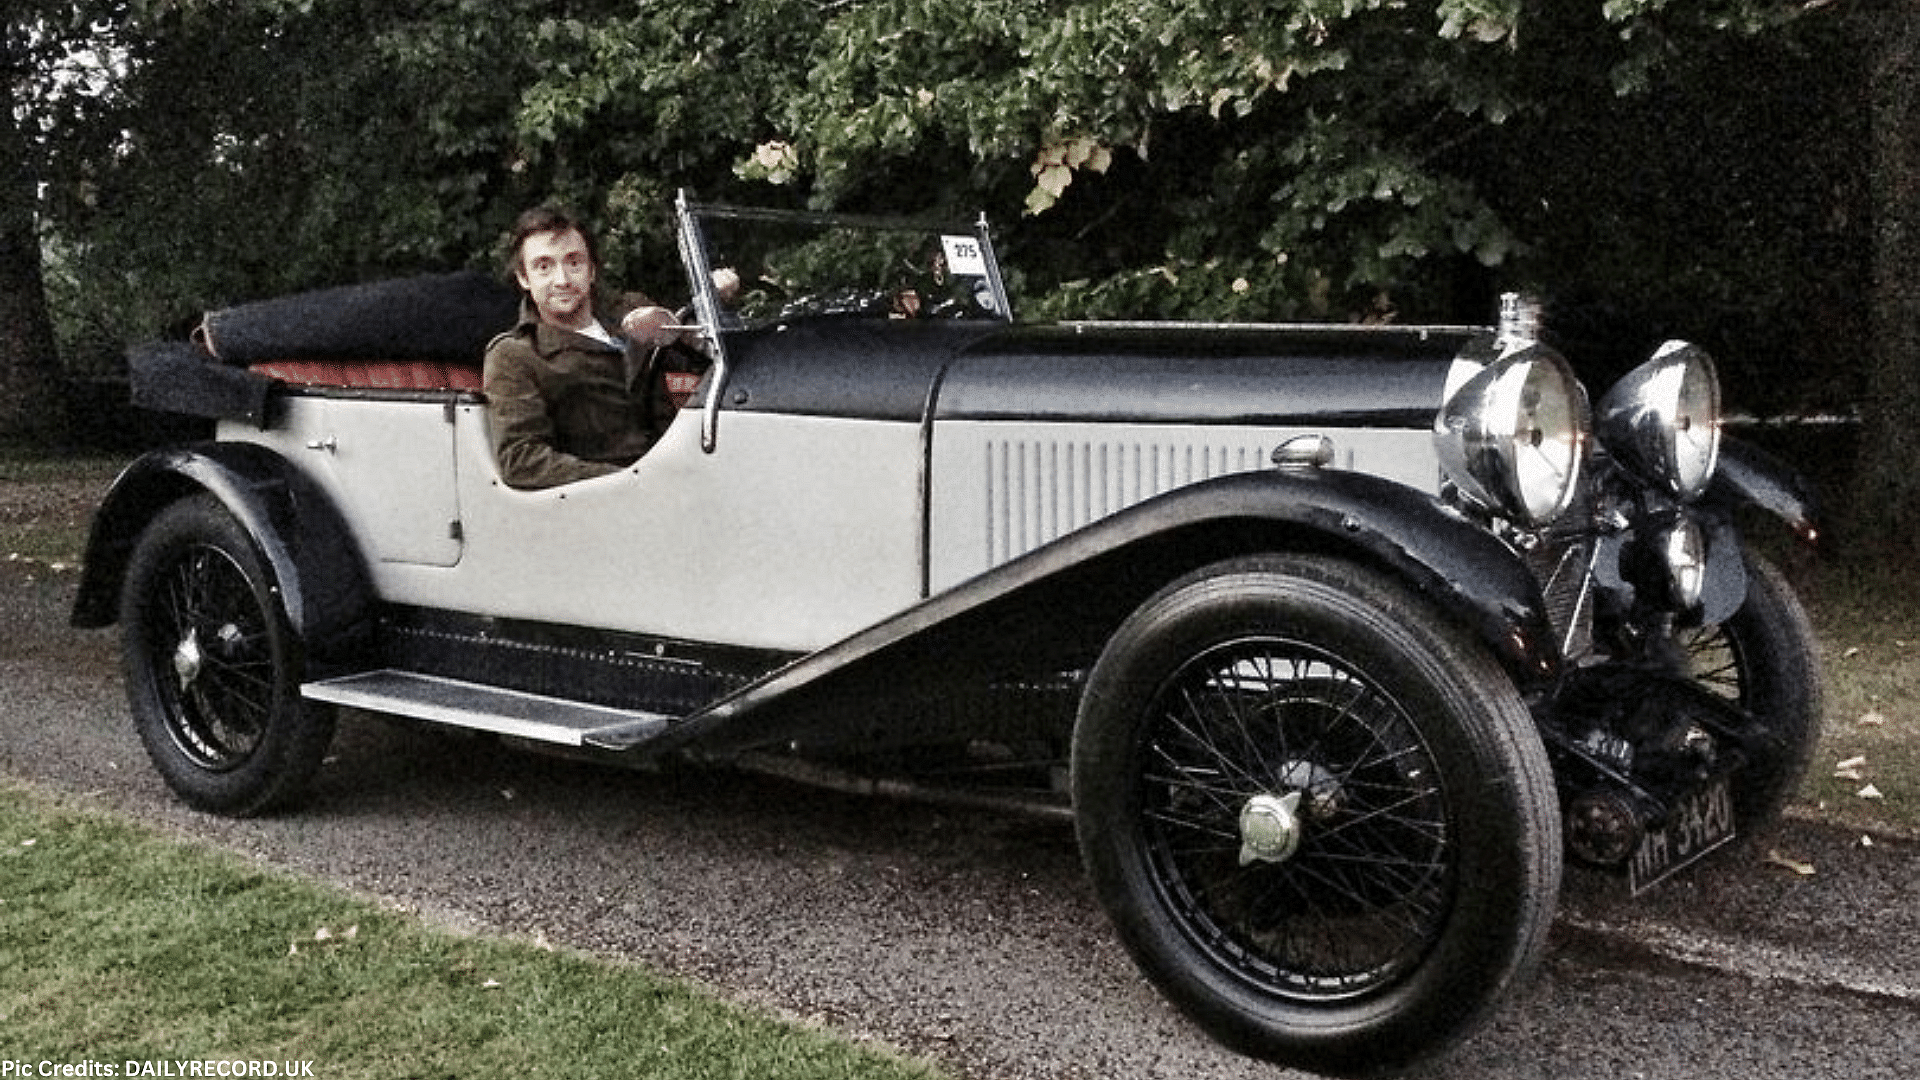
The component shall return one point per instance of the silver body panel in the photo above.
(796, 532)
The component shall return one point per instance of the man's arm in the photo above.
(523, 433)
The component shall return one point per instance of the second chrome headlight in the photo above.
(1514, 437)
(1662, 420)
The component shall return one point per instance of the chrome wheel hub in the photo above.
(188, 659)
(1270, 828)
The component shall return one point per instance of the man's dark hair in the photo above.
(544, 219)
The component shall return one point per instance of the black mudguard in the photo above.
(1052, 610)
(312, 557)
(1750, 476)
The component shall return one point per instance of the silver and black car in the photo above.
(1335, 641)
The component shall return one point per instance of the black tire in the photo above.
(213, 667)
(1428, 863)
(1762, 659)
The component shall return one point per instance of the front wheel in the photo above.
(213, 667)
(1319, 816)
(1762, 660)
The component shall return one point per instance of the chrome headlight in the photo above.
(1685, 551)
(1513, 438)
(1663, 420)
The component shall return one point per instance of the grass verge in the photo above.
(47, 504)
(1867, 770)
(119, 946)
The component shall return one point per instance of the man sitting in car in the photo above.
(568, 398)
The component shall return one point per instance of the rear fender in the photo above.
(309, 553)
(1053, 609)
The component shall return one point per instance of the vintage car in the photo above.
(1335, 640)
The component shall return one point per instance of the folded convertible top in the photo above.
(444, 317)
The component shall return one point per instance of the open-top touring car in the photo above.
(1336, 638)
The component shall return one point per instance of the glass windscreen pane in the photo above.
(795, 267)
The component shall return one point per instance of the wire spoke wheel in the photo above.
(1761, 660)
(210, 632)
(1319, 816)
(1715, 661)
(213, 667)
(1366, 885)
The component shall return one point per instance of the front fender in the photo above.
(1053, 609)
(1468, 574)
(1750, 476)
(299, 532)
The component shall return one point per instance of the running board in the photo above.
(489, 708)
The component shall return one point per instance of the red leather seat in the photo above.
(373, 374)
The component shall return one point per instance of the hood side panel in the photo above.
(1248, 375)
(1149, 373)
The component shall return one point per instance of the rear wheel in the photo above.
(212, 665)
(1319, 817)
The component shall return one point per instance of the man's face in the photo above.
(556, 269)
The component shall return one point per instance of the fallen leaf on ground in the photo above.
(326, 936)
(1804, 869)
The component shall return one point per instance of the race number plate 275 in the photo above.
(1700, 822)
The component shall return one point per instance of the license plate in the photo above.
(1700, 822)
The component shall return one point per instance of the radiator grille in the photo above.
(1565, 578)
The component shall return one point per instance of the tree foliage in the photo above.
(253, 147)
(45, 67)
(1237, 159)
(1232, 159)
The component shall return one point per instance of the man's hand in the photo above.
(654, 327)
(650, 327)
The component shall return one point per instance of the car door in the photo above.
(389, 463)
